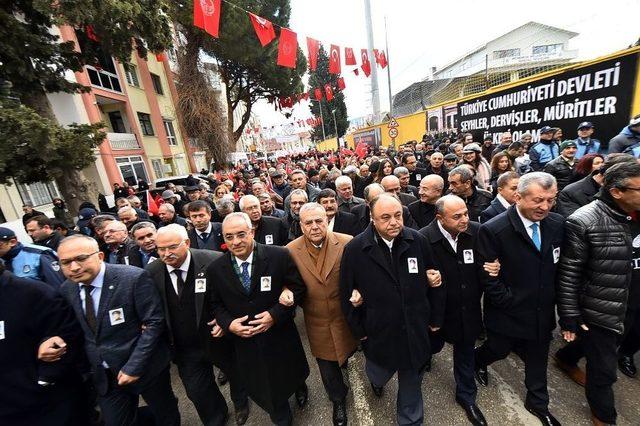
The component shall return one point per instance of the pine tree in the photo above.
(317, 80)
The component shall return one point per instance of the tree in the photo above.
(317, 80)
(248, 70)
(35, 61)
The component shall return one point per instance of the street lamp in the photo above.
(335, 126)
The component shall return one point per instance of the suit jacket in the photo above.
(124, 346)
(520, 302)
(135, 257)
(345, 223)
(406, 199)
(412, 190)
(329, 335)
(422, 213)
(176, 219)
(274, 361)
(214, 241)
(275, 228)
(416, 176)
(494, 209)
(346, 207)
(363, 215)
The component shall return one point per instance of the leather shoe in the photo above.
(574, 372)
(545, 418)
(302, 395)
(474, 414)
(242, 414)
(339, 413)
(377, 390)
(627, 366)
(222, 378)
(482, 376)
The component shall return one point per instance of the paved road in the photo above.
(501, 401)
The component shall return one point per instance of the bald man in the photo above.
(423, 211)
(391, 184)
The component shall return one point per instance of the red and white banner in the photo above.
(263, 28)
(287, 48)
(206, 15)
(312, 48)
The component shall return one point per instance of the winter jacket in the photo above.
(623, 140)
(543, 152)
(561, 170)
(576, 195)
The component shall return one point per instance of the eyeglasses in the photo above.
(78, 259)
(172, 247)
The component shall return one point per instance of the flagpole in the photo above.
(386, 41)
(375, 96)
(324, 137)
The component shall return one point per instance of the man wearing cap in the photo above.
(628, 139)
(585, 143)
(174, 199)
(29, 260)
(544, 150)
(280, 187)
(563, 167)
(450, 161)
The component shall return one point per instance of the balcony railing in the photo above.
(123, 141)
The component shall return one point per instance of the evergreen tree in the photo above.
(317, 80)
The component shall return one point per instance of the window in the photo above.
(157, 84)
(171, 133)
(131, 72)
(131, 169)
(145, 124)
(103, 72)
(158, 168)
(547, 49)
(506, 53)
(117, 123)
(39, 193)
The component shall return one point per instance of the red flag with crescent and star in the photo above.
(383, 60)
(263, 28)
(287, 48)
(317, 94)
(366, 65)
(349, 57)
(334, 59)
(206, 15)
(312, 48)
(341, 84)
(328, 91)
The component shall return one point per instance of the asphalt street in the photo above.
(501, 401)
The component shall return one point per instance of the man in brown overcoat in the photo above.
(317, 255)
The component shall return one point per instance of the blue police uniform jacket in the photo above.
(38, 263)
(545, 152)
(589, 146)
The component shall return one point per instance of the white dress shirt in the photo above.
(96, 292)
(184, 268)
(331, 223)
(502, 201)
(249, 261)
(453, 242)
(208, 231)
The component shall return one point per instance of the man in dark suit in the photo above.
(144, 252)
(391, 184)
(519, 304)
(205, 235)
(344, 192)
(415, 173)
(167, 215)
(392, 268)
(402, 173)
(363, 215)
(423, 211)
(117, 243)
(338, 221)
(267, 230)
(457, 318)
(507, 188)
(179, 276)
(120, 313)
(461, 183)
(249, 280)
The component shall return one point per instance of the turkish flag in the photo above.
(328, 91)
(318, 94)
(91, 34)
(206, 15)
(362, 149)
(263, 28)
(383, 60)
(366, 65)
(287, 48)
(312, 48)
(160, 57)
(341, 84)
(152, 207)
(356, 72)
(334, 59)
(349, 57)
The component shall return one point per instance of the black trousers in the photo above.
(631, 340)
(534, 355)
(332, 379)
(120, 404)
(281, 415)
(463, 367)
(600, 348)
(199, 381)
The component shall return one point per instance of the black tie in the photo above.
(204, 236)
(180, 281)
(89, 308)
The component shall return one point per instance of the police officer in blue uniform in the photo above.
(29, 260)
(585, 143)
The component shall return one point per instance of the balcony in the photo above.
(122, 141)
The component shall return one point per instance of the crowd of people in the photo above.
(394, 252)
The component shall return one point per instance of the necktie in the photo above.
(204, 236)
(89, 308)
(535, 236)
(179, 281)
(246, 278)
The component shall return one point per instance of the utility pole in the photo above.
(375, 95)
(386, 41)
(335, 126)
(324, 137)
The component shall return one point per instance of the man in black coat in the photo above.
(456, 318)
(392, 268)
(461, 184)
(415, 173)
(39, 381)
(436, 167)
(144, 252)
(167, 215)
(40, 229)
(363, 215)
(519, 304)
(205, 235)
(249, 280)
(117, 243)
(267, 230)
(563, 168)
(507, 187)
(423, 211)
(195, 339)
(338, 221)
(391, 184)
